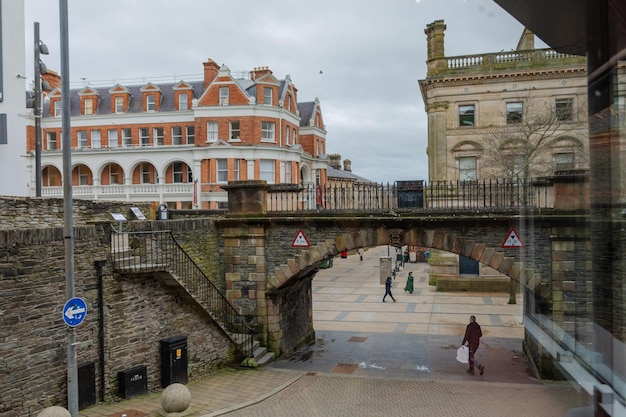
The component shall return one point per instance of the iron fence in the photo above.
(440, 195)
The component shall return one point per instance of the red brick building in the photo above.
(176, 143)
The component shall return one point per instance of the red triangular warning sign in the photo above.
(512, 240)
(300, 240)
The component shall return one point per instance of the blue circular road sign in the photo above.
(74, 311)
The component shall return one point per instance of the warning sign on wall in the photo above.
(300, 240)
(512, 240)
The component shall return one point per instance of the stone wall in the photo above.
(138, 310)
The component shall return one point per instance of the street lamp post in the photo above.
(40, 68)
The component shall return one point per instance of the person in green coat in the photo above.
(409, 283)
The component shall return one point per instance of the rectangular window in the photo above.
(467, 168)
(127, 139)
(267, 131)
(190, 134)
(177, 170)
(58, 108)
(88, 106)
(235, 130)
(177, 135)
(113, 138)
(267, 170)
(144, 136)
(114, 175)
(564, 108)
(83, 175)
(145, 170)
(82, 138)
(150, 102)
(157, 135)
(183, 102)
(514, 113)
(95, 139)
(288, 172)
(466, 115)
(189, 174)
(211, 131)
(223, 96)
(119, 104)
(222, 170)
(267, 96)
(236, 169)
(564, 160)
(52, 141)
(287, 135)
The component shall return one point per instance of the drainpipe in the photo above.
(99, 265)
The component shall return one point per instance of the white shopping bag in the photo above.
(462, 354)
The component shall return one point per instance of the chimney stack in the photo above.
(347, 165)
(210, 71)
(334, 161)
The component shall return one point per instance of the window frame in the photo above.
(514, 115)
(567, 110)
(88, 106)
(111, 139)
(212, 130)
(183, 102)
(83, 175)
(51, 141)
(58, 108)
(127, 140)
(224, 96)
(268, 131)
(177, 172)
(82, 139)
(463, 115)
(236, 170)
(96, 139)
(468, 173)
(221, 170)
(158, 138)
(177, 135)
(231, 131)
(119, 105)
(190, 135)
(265, 173)
(268, 96)
(144, 136)
(150, 103)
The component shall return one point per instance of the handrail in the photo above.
(151, 251)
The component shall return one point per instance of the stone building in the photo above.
(516, 114)
(178, 142)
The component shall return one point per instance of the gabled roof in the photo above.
(344, 175)
(307, 112)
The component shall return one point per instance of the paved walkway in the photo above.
(372, 358)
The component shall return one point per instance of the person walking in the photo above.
(473, 334)
(361, 253)
(408, 287)
(388, 290)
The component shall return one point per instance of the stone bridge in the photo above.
(270, 279)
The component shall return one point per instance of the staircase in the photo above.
(158, 252)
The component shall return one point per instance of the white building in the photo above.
(13, 166)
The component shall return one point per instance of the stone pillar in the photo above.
(247, 197)
(437, 142)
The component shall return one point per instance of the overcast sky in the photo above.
(371, 54)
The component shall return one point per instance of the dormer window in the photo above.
(183, 102)
(223, 96)
(119, 104)
(88, 107)
(150, 102)
(58, 108)
(267, 96)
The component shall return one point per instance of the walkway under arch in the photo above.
(416, 337)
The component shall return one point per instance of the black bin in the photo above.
(132, 382)
(86, 385)
(173, 361)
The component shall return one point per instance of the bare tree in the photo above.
(535, 134)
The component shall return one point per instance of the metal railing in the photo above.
(154, 251)
(436, 196)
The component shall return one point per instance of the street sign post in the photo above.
(74, 311)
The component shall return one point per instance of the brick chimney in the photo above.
(347, 165)
(52, 78)
(259, 72)
(210, 71)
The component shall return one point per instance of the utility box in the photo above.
(173, 361)
(132, 382)
(385, 269)
(86, 385)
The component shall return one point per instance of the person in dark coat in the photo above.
(473, 334)
(388, 290)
